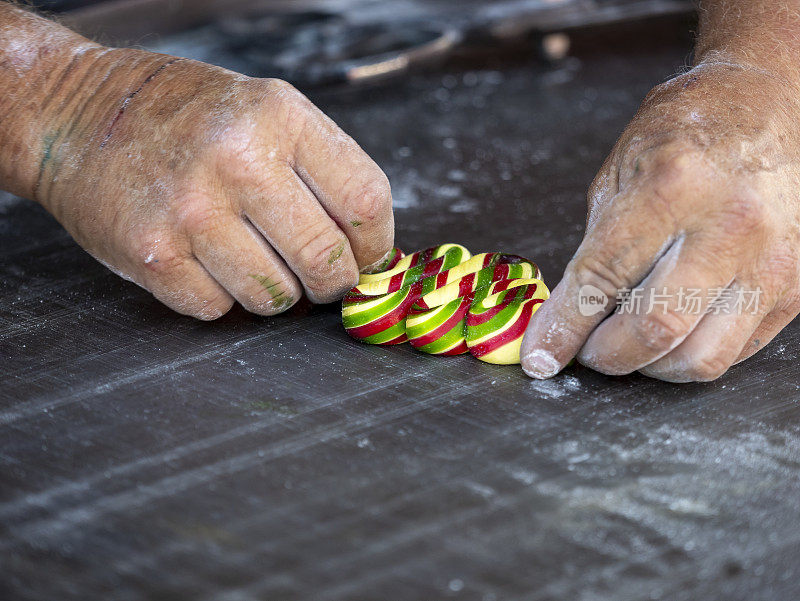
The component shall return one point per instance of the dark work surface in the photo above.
(144, 455)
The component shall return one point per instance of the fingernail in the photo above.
(540, 364)
(374, 266)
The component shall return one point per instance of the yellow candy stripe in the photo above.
(445, 301)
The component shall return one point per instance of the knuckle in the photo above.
(673, 170)
(372, 198)
(196, 215)
(669, 164)
(672, 173)
(606, 275)
(659, 92)
(674, 178)
(292, 109)
(322, 254)
(279, 87)
(159, 259)
(325, 274)
(659, 332)
(746, 214)
(319, 252)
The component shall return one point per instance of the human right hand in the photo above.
(205, 186)
(201, 185)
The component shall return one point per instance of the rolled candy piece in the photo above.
(496, 322)
(411, 269)
(375, 310)
(447, 302)
(436, 323)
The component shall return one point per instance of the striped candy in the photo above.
(445, 301)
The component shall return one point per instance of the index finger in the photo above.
(616, 253)
(350, 186)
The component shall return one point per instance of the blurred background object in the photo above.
(313, 42)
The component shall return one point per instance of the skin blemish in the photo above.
(355, 223)
(267, 284)
(280, 300)
(47, 152)
(336, 253)
(47, 156)
(127, 100)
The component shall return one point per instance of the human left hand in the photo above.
(699, 193)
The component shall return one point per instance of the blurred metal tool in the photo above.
(318, 47)
(321, 48)
(322, 42)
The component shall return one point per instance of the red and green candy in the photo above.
(444, 301)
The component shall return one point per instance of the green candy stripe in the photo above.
(452, 257)
(434, 321)
(445, 342)
(484, 278)
(498, 321)
(477, 308)
(388, 334)
(519, 271)
(364, 317)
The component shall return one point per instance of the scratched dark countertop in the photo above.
(144, 455)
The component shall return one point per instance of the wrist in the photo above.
(83, 115)
(754, 35)
(769, 84)
(744, 59)
(60, 94)
(35, 56)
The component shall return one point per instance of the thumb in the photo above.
(617, 253)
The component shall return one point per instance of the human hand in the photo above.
(700, 193)
(204, 186)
